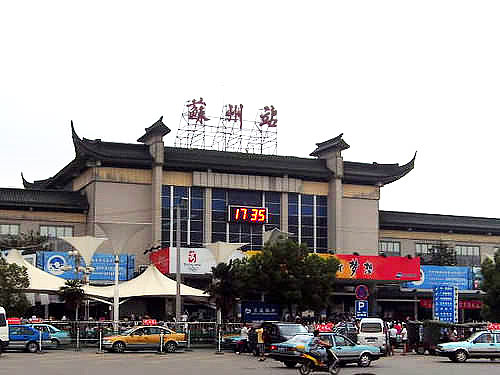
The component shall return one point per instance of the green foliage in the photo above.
(13, 278)
(27, 242)
(440, 255)
(226, 286)
(72, 294)
(491, 285)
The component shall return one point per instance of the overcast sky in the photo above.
(394, 76)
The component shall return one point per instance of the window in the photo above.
(485, 338)
(389, 248)
(56, 232)
(468, 255)
(423, 248)
(192, 215)
(3, 322)
(497, 336)
(9, 229)
(342, 341)
(307, 221)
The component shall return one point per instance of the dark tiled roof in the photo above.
(158, 128)
(336, 143)
(56, 200)
(393, 220)
(138, 156)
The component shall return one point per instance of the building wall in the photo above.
(359, 226)
(408, 240)
(124, 203)
(31, 220)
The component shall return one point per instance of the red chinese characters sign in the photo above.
(372, 267)
(160, 259)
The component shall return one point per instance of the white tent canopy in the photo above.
(151, 283)
(40, 281)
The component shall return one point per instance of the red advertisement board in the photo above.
(374, 267)
(160, 259)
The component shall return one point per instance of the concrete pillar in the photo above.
(156, 188)
(284, 212)
(207, 222)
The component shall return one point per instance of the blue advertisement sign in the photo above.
(446, 303)
(433, 276)
(104, 266)
(259, 311)
(361, 309)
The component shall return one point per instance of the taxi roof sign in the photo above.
(494, 327)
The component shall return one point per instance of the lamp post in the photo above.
(178, 262)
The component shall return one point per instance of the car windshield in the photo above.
(292, 329)
(474, 336)
(371, 327)
(300, 339)
(128, 331)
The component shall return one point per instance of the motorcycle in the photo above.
(311, 363)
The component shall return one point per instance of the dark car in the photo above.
(274, 332)
(289, 352)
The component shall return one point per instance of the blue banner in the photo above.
(259, 311)
(433, 276)
(104, 266)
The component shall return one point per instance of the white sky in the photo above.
(393, 76)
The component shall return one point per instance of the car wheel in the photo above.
(306, 368)
(32, 347)
(290, 364)
(55, 343)
(334, 369)
(170, 347)
(460, 356)
(119, 347)
(364, 360)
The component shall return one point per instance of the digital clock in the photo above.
(251, 215)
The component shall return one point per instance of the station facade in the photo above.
(329, 204)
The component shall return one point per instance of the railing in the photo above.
(89, 333)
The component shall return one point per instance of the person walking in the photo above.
(244, 339)
(261, 348)
(393, 332)
(404, 338)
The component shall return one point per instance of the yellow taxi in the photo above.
(143, 338)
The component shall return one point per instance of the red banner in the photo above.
(375, 267)
(326, 327)
(14, 320)
(462, 304)
(149, 322)
(494, 327)
(160, 259)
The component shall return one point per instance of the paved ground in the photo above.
(204, 361)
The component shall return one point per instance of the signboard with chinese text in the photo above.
(446, 303)
(426, 303)
(372, 267)
(433, 276)
(104, 265)
(260, 311)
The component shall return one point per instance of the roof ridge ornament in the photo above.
(336, 144)
(157, 129)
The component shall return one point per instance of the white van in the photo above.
(373, 331)
(4, 330)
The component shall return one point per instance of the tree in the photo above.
(72, 294)
(26, 242)
(491, 285)
(226, 286)
(287, 274)
(440, 254)
(13, 279)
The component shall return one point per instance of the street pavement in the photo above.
(206, 362)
